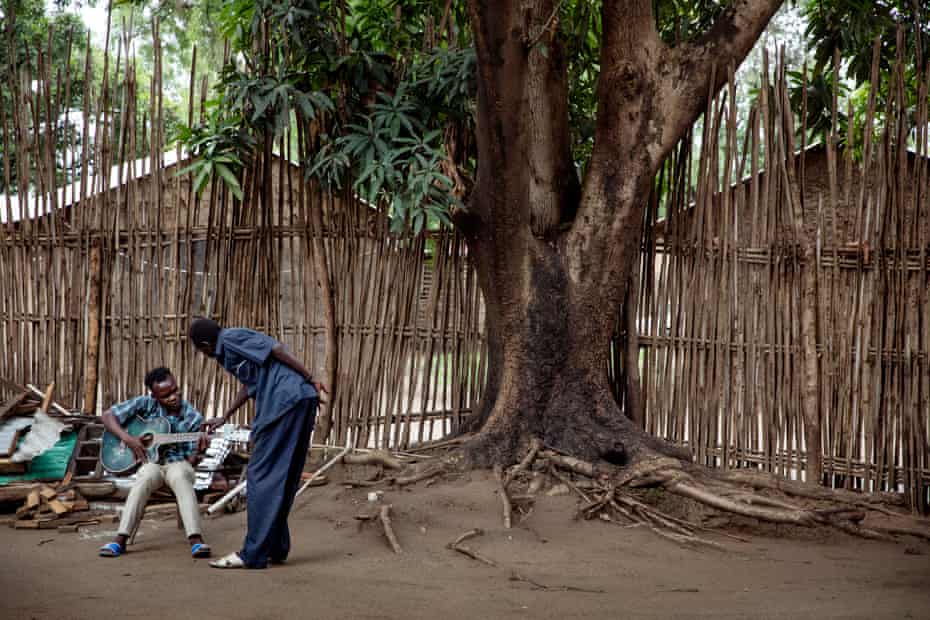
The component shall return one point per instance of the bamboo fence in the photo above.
(734, 258)
(782, 290)
(101, 278)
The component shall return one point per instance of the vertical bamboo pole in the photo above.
(93, 327)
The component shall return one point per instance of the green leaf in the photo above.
(193, 167)
(230, 179)
(201, 180)
(261, 104)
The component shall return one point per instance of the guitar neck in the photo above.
(169, 438)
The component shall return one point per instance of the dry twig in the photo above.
(505, 499)
(458, 546)
(388, 528)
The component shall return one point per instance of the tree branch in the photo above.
(728, 42)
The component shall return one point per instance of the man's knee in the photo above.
(179, 472)
(149, 476)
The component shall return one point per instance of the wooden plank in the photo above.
(74, 527)
(25, 511)
(59, 507)
(29, 524)
(16, 492)
(7, 408)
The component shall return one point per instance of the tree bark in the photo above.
(633, 393)
(553, 380)
(324, 421)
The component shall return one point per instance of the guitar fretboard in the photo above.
(165, 438)
(169, 438)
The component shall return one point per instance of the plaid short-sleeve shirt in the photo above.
(188, 420)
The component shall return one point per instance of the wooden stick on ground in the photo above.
(469, 534)
(458, 546)
(514, 576)
(388, 529)
(505, 499)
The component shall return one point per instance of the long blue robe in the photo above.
(286, 406)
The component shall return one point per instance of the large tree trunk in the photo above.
(552, 380)
(554, 255)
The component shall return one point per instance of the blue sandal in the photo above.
(111, 550)
(200, 550)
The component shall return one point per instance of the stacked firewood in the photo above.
(46, 507)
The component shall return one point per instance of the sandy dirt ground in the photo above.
(550, 566)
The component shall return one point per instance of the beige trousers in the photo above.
(180, 477)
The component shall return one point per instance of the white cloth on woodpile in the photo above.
(43, 434)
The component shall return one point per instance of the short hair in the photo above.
(204, 330)
(156, 375)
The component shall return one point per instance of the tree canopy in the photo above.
(27, 29)
(391, 86)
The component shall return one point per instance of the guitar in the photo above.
(154, 433)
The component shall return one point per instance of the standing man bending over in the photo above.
(176, 463)
(286, 401)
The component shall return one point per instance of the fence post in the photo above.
(93, 330)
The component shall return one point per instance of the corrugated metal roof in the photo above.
(37, 206)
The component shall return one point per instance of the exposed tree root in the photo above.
(567, 482)
(611, 495)
(763, 480)
(381, 458)
(623, 495)
(429, 472)
(903, 531)
(441, 444)
(535, 445)
(572, 464)
(423, 475)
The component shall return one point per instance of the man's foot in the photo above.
(111, 550)
(231, 560)
(200, 550)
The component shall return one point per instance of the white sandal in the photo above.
(231, 560)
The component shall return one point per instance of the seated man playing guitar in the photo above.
(175, 466)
